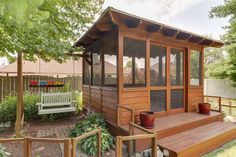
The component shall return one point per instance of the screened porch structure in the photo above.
(132, 64)
(143, 65)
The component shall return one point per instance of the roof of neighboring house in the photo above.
(52, 67)
(112, 16)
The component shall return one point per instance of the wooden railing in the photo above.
(126, 108)
(97, 132)
(69, 143)
(230, 106)
(215, 97)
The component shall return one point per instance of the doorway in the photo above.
(166, 79)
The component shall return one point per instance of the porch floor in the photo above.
(189, 134)
(170, 125)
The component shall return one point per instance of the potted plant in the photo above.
(204, 108)
(147, 119)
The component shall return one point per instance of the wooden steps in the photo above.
(200, 140)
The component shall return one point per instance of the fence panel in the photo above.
(8, 84)
(218, 87)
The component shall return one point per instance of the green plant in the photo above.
(79, 98)
(3, 152)
(89, 145)
(8, 109)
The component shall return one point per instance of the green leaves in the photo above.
(228, 9)
(46, 28)
(89, 145)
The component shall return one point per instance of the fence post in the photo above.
(99, 144)
(230, 107)
(118, 146)
(73, 153)
(67, 151)
(27, 147)
(220, 104)
(154, 146)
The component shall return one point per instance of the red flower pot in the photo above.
(147, 119)
(204, 108)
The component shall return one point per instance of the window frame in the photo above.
(201, 70)
(135, 85)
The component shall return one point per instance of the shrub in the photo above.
(3, 152)
(89, 145)
(8, 109)
(79, 98)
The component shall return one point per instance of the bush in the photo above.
(8, 109)
(79, 98)
(89, 145)
(3, 152)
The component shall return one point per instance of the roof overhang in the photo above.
(112, 17)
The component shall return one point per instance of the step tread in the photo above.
(196, 136)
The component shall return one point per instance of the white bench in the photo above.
(56, 103)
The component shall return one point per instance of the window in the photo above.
(110, 58)
(96, 63)
(177, 98)
(195, 68)
(134, 68)
(86, 73)
(158, 101)
(177, 67)
(157, 65)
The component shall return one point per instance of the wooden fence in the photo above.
(69, 143)
(8, 84)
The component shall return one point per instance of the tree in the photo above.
(228, 9)
(45, 28)
(216, 63)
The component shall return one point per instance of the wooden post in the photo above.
(27, 147)
(154, 146)
(220, 104)
(230, 107)
(67, 151)
(99, 144)
(19, 107)
(73, 152)
(118, 146)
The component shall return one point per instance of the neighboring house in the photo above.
(70, 67)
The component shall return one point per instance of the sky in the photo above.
(189, 15)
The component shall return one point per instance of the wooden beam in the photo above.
(104, 27)
(19, 107)
(153, 28)
(132, 23)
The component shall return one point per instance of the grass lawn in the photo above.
(227, 150)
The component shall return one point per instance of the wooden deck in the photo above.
(189, 134)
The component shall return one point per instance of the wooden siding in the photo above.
(195, 96)
(138, 100)
(101, 100)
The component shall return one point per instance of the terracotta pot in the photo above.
(147, 119)
(204, 108)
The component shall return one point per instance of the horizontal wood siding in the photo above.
(96, 99)
(109, 102)
(136, 100)
(101, 101)
(86, 96)
(195, 96)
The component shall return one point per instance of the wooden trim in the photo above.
(134, 89)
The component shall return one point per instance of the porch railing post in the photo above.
(154, 146)
(220, 104)
(118, 146)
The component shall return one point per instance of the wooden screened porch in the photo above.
(143, 65)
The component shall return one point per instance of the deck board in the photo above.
(162, 124)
